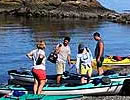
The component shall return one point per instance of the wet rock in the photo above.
(122, 18)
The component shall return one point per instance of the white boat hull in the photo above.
(93, 91)
(96, 91)
(69, 89)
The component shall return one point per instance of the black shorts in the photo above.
(99, 64)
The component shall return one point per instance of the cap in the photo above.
(81, 46)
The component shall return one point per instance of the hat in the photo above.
(81, 46)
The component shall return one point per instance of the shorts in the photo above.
(39, 74)
(85, 70)
(60, 68)
(99, 64)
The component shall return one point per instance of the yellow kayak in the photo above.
(105, 67)
(110, 61)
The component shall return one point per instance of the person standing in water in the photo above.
(38, 69)
(99, 52)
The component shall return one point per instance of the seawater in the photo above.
(19, 35)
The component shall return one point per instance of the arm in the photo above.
(57, 49)
(91, 57)
(77, 64)
(68, 58)
(90, 53)
(30, 55)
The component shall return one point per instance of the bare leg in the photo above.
(58, 79)
(89, 76)
(83, 80)
(42, 83)
(35, 86)
(100, 71)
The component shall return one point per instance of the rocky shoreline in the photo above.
(89, 9)
(71, 9)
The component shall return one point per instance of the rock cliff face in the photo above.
(54, 8)
(85, 9)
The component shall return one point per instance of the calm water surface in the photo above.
(19, 35)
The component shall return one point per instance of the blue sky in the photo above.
(118, 5)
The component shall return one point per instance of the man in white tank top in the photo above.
(64, 52)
